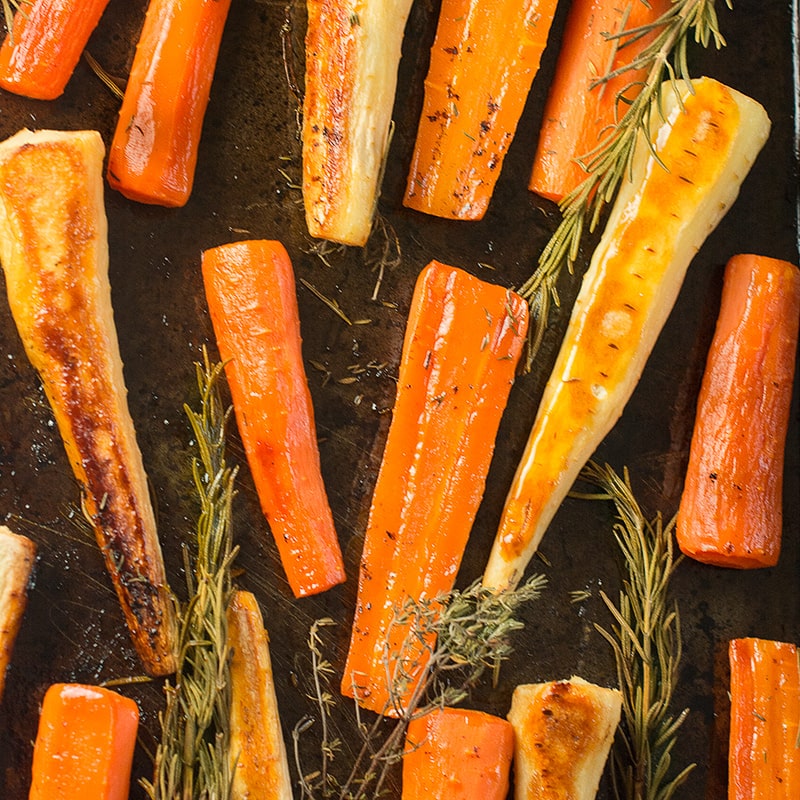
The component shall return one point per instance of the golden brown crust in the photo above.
(54, 253)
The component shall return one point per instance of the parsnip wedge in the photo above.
(258, 756)
(563, 731)
(54, 252)
(706, 142)
(352, 56)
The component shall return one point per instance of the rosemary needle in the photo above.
(665, 58)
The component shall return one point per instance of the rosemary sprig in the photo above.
(646, 641)
(463, 635)
(664, 58)
(9, 7)
(191, 761)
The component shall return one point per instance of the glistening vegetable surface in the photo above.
(72, 628)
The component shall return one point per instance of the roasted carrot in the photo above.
(483, 62)
(707, 140)
(250, 291)
(84, 745)
(457, 754)
(764, 752)
(352, 55)
(54, 251)
(462, 343)
(257, 752)
(40, 52)
(578, 115)
(731, 510)
(153, 154)
(17, 555)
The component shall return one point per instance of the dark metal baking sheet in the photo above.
(73, 630)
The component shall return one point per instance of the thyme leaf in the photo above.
(665, 60)
(646, 641)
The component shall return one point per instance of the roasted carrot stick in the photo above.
(708, 139)
(352, 55)
(462, 343)
(250, 291)
(577, 117)
(457, 754)
(153, 154)
(257, 752)
(54, 250)
(84, 746)
(40, 52)
(764, 756)
(483, 61)
(731, 510)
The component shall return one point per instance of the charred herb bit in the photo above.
(191, 762)
(665, 58)
(646, 641)
(472, 633)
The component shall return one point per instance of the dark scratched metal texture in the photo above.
(249, 161)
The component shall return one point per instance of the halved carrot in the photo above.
(153, 154)
(462, 343)
(457, 754)
(707, 139)
(250, 291)
(40, 52)
(483, 61)
(731, 510)
(84, 746)
(764, 751)
(576, 116)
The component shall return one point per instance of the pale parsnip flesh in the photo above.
(563, 732)
(352, 56)
(54, 251)
(659, 221)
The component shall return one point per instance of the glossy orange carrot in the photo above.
(46, 40)
(153, 154)
(462, 343)
(457, 754)
(483, 62)
(731, 508)
(764, 752)
(84, 746)
(577, 117)
(250, 291)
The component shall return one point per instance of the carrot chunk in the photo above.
(250, 291)
(457, 754)
(153, 154)
(462, 344)
(84, 746)
(731, 508)
(764, 757)
(46, 40)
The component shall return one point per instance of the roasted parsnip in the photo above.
(352, 55)
(54, 252)
(679, 189)
(562, 732)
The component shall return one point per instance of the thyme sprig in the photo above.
(191, 761)
(665, 60)
(646, 641)
(459, 637)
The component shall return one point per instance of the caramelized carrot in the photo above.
(40, 52)
(84, 746)
(456, 754)
(462, 344)
(764, 753)
(731, 510)
(577, 117)
(153, 154)
(250, 291)
(483, 61)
